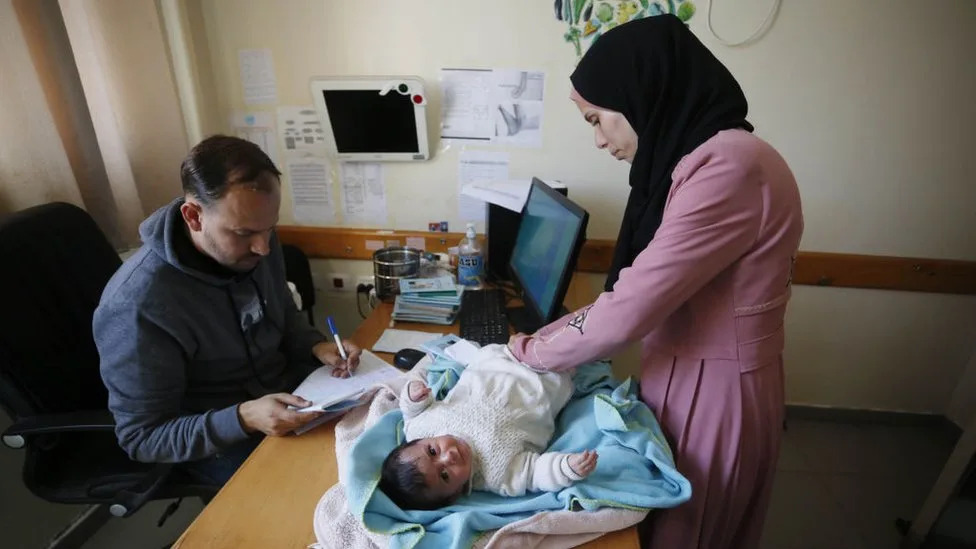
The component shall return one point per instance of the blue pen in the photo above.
(335, 336)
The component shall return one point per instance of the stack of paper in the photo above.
(430, 300)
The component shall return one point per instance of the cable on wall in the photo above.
(760, 31)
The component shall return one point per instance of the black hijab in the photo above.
(675, 94)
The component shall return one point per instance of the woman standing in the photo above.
(701, 272)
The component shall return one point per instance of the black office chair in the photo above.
(55, 264)
(298, 271)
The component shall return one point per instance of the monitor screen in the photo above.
(549, 239)
(363, 121)
(372, 118)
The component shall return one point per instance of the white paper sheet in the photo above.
(465, 112)
(300, 130)
(496, 106)
(507, 194)
(363, 193)
(463, 351)
(393, 340)
(258, 128)
(325, 390)
(257, 77)
(518, 107)
(311, 191)
(482, 167)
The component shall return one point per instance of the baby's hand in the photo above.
(583, 463)
(418, 390)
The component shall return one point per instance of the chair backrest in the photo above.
(298, 271)
(55, 264)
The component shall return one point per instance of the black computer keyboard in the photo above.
(482, 316)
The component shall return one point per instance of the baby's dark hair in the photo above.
(403, 482)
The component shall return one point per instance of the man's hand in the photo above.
(417, 391)
(583, 463)
(271, 416)
(328, 353)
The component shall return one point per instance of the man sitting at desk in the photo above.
(198, 335)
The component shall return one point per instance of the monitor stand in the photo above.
(524, 321)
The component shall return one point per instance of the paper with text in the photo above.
(258, 128)
(492, 106)
(311, 191)
(300, 130)
(484, 167)
(363, 193)
(257, 77)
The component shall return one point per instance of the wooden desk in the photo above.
(269, 502)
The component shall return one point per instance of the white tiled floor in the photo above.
(838, 486)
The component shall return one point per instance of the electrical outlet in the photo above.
(339, 282)
(365, 280)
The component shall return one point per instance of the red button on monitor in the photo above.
(418, 99)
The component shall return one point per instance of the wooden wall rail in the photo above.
(812, 268)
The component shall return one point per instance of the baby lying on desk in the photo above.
(487, 434)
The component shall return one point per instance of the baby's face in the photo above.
(445, 462)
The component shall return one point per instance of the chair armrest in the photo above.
(126, 501)
(85, 420)
(132, 499)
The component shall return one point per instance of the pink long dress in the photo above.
(707, 298)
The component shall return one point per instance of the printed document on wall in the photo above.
(518, 107)
(483, 167)
(300, 130)
(363, 193)
(492, 106)
(311, 191)
(258, 128)
(257, 77)
(466, 114)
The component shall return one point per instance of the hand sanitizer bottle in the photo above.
(471, 265)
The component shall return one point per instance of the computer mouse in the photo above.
(405, 359)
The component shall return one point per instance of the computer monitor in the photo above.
(546, 248)
(373, 118)
(501, 228)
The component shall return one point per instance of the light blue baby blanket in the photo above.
(635, 469)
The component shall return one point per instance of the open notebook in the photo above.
(335, 395)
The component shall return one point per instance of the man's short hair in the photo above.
(220, 161)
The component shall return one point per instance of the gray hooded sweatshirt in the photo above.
(182, 346)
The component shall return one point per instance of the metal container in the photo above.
(392, 264)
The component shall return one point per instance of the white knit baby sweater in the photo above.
(506, 412)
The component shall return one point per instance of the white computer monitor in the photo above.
(373, 118)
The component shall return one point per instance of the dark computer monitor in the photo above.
(552, 231)
(501, 228)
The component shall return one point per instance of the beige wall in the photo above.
(88, 110)
(121, 54)
(870, 102)
(27, 178)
